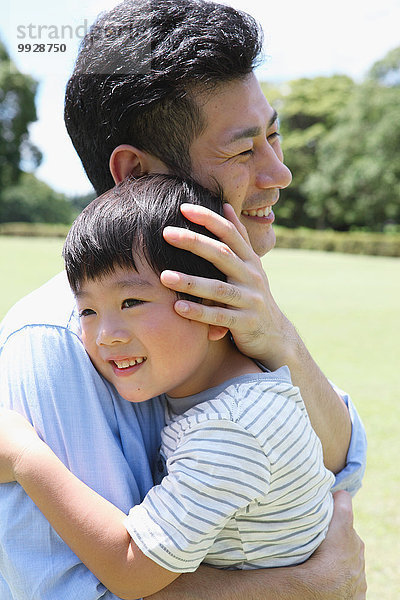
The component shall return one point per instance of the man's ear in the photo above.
(127, 160)
(216, 332)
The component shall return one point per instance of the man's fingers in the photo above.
(216, 252)
(231, 231)
(343, 505)
(230, 214)
(344, 512)
(209, 289)
(211, 315)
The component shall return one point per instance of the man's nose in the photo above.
(112, 332)
(271, 170)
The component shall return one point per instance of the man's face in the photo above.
(240, 150)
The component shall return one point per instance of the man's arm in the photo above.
(258, 326)
(350, 478)
(336, 571)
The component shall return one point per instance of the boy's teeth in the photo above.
(261, 212)
(124, 364)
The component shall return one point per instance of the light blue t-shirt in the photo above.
(109, 443)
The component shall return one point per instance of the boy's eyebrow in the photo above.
(80, 293)
(251, 132)
(122, 283)
(136, 281)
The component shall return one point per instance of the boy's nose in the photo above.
(112, 333)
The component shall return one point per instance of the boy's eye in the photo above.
(129, 302)
(86, 312)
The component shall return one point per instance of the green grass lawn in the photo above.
(346, 308)
(26, 263)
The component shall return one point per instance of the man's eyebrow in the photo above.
(251, 132)
(273, 119)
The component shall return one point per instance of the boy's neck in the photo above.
(223, 362)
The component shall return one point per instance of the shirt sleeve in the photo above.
(46, 375)
(217, 470)
(350, 478)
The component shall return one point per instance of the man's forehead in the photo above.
(250, 132)
(235, 110)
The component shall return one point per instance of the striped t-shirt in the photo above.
(246, 485)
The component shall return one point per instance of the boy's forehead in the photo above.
(120, 279)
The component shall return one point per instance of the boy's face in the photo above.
(240, 149)
(136, 340)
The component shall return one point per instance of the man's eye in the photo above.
(248, 152)
(273, 137)
(86, 312)
(129, 302)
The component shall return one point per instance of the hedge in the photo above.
(378, 244)
(34, 229)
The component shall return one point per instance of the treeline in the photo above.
(341, 140)
(23, 198)
(33, 201)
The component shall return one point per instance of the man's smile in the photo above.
(259, 212)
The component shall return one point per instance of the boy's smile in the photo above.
(126, 366)
(137, 341)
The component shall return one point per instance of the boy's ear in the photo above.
(216, 332)
(127, 160)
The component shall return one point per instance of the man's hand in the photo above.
(16, 437)
(259, 328)
(340, 558)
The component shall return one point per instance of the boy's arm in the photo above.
(334, 572)
(91, 526)
(259, 328)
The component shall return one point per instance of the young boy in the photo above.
(246, 486)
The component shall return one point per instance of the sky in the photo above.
(303, 38)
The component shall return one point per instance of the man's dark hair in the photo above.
(130, 219)
(137, 73)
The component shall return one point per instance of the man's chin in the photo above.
(262, 245)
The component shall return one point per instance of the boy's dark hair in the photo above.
(138, 71)
(129, 219)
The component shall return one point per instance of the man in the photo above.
(163, 86)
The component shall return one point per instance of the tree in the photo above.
(80, 202)
(17, 111)
(357, 180)
(22, 196)
(387, 71)
(33, 201)
(308, 110)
